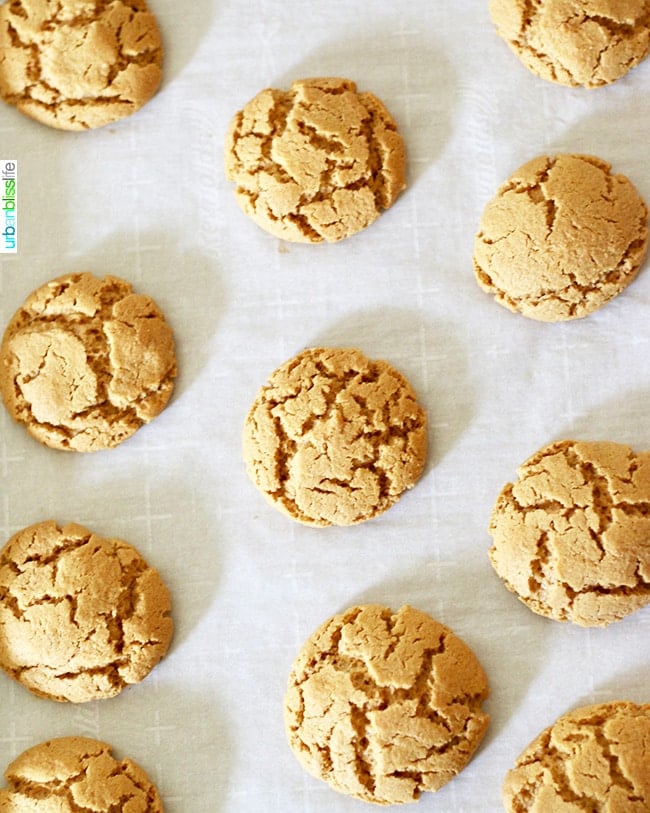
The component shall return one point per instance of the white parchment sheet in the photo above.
(146, 199)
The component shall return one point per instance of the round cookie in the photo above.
(561, 237)
(570, 536)
(595, 758)
(383, 706)
(71, 774)
(334, 438)
(78, 64)
(81, 616)
(586, 43)
(318, 162)
(86, 362)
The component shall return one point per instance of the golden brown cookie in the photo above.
(585, 43)
(318, 162)
(561, 237)
(77, 64)
(72, 774)
(334, 438)
(86, 362)
(570, 536)
(595, 758)
(81, 616)
(383, 706)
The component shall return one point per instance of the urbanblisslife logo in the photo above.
(9, 209)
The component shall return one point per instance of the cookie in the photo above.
(595, 758)
(76, 773)
(318, 162)
(561, 237)
(578, 43)
(334, 438)
(81, 616)
(383, 706)
(78, 64)
(86, 362)
(570, 536)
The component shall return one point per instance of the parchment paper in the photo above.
(146, 199)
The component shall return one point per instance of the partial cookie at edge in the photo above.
(588, 43)
(81, 616)
(570, 536)
(593, 758)
(76, 66)
(85, 362)
(74, 773)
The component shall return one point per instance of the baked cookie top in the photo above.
(570, 536)
(594, 758)
(561, 237)
(78, 64)
(70, 774)
(85, 362)
(383, 706)
(334, 438)
(585, 43)
(81, 616)
(318, 162)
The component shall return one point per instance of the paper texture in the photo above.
(146, 199)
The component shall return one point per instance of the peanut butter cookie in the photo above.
(318, 162)
(570, 536)
(561, 237)
(81, 616)
(334, 438)
(86, 362)
(585, 43)
(383, 706)
(595, 758)
(73, 774)
(78, 64)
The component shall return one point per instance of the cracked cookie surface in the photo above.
(561, 237)
(318, 162)
(78, 64)
(86, 362)
(571, 537)
(334, 438)
(586, 43)
(595, 758)
(81, 616)
(384, 706)
(72, 774)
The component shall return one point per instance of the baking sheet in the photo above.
(146, 199)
